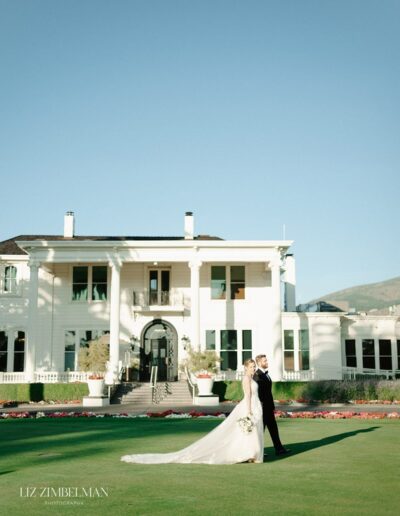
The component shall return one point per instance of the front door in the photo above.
(158, 356)
(159, 348)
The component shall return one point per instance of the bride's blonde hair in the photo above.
(249, 361)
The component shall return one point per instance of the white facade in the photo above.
(151, 295)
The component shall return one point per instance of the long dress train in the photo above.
(226, 444)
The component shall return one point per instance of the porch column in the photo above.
(115, 302)
(195, 302)
(276, 353)
(33, 322)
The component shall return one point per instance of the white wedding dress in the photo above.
(226, 444)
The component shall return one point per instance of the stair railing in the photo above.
(155, 394)
(159, 392)
(191, 384)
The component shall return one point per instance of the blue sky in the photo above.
(252, 114)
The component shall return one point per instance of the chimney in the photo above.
(290, 284)
(69, 224)
(189, 225)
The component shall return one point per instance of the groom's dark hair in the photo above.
(259, 357)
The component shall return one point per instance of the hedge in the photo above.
(334, 391)
(43, 391)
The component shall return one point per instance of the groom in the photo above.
(264, 381)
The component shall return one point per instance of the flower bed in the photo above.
(325, 414)
(320, 402)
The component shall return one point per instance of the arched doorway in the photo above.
(159, 347)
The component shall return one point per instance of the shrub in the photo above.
(43, 391)
(334, 391)
(387, 390)
(201, 361)
(94, 358)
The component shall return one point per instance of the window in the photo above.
(232, 346)
(234, 276)
(368, 349)
(3, 350)
(398, 354)
(74, 340)
(229, 350)
(69, 356)
(350, 351)
(210, 339)
(288, 350)
(80, 283)
(19, 351)
(304, 350)
(159, 287)
(385, 354)
(89, 283)
(99, 282)
(246, 345)
(237, 282)
(218, 282)
(8, 283)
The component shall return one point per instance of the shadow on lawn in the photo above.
(297, 448)
(85, 437)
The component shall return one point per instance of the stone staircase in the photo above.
(139, 395)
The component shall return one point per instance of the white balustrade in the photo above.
(298, 376)
(145, 298)
(45, 377)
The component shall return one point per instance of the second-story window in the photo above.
(99, 282)
(159, 287)
(89, 283)
(218, 282)
(80, 281)
(237, 282)
(8, 280)
(234, 276)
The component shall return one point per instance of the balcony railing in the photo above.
(168, 298)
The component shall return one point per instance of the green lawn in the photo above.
(336, 467)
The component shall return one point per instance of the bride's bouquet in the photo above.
(246, 424)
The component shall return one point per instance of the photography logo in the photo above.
(63, 494)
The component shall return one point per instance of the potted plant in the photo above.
(202, 365)
(94, 359)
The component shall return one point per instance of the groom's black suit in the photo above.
(267, 401)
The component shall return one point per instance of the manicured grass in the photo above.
(336, 467)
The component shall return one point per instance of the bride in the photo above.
(231, 442)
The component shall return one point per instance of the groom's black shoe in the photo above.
(282, 451)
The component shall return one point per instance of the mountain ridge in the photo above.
(369, 296)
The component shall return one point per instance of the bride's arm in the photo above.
(247, 394)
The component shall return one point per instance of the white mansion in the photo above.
(156, 295)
